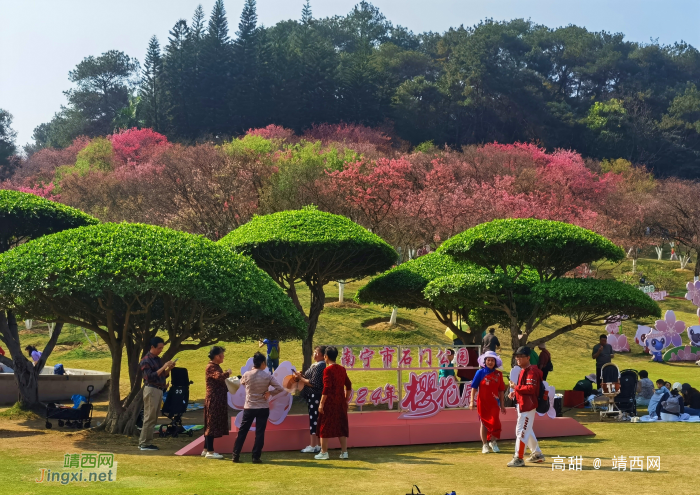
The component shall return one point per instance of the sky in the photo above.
(41, 40)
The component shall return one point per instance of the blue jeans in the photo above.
(691, 411)
(272, 364)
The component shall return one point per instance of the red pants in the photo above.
(490, 416)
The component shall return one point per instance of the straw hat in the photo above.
(490, 354)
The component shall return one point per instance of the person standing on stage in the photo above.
(526, 392)
(215, 402)
(333, 410)
(488, 381)
(257, 383)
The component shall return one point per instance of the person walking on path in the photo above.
(488, 381)
(491, 342)
(273, 353)
(333, 410)
(257, 383)
(545, 361)
(603, 354)
(154, 374)
(215, 402)
(313, 389)
(526, 392)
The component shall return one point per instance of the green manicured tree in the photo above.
(24, 217)
(129, 281)
(403, 287)
(311, 247)
(526, 261)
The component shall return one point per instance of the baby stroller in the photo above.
(626, 399)
(610, 378)
(69, 416)
(175, 404)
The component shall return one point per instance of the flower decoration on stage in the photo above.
(279, 404)
(671, 328)
(617, 340)
(693, 294)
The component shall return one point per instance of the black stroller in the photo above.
(175, 404)
(626, 399)
(69, 416)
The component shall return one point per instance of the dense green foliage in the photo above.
(507, 81)
(551, 248)
(7, 143)
(308, 244)
(25, 216)
(578, 298)
(403, 285)
(73, 272)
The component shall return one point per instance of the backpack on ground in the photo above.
(274, 352)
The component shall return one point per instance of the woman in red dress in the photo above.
(488, 381)
(333, 410)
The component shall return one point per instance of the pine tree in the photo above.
(176, 66)
(306, 15)
(246, 52)
(151, 90)
(216, 73)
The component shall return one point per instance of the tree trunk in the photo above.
(317, 302)
(25, 372)
(341, 291)
(115, 408)
(392, 318)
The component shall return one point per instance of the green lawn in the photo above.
(25, 446)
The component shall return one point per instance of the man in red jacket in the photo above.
(526, 392)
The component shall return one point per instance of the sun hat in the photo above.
(489, 354)
(591, 377)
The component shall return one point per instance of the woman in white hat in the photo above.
(489, 382)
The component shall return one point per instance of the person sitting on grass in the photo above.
(691, 399)
(645, 389)
(671, 405)
(657, 397)
(586, 385)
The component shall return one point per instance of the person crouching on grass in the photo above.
(526, 392)
(257, 383)
(489, 382)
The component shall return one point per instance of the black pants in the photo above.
(598, 379)
(544, 375)
(260, 416)
(209, 443)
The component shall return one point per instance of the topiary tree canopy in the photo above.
(126, 282)
(312, 247)
(403, 286)
(24, 217)
(526, 261)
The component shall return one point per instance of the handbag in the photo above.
(233, 383)
(412, 492)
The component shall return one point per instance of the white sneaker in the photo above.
(494, 446)
(213, 455)
(310, 450)
(344, 455)
(485, 448)
(322, 456)
(204, 452)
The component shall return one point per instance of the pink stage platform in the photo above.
(384, 429)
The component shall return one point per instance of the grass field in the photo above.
(26, 447)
